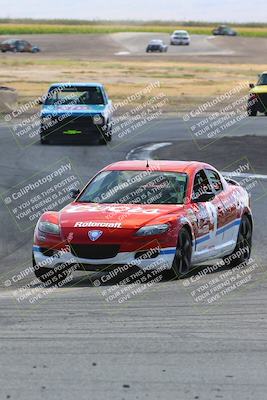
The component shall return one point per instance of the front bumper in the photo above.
(79, 127)
(180, 42)
(164, 258)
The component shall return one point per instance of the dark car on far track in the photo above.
(18, 46)
(224, 30)
(156, 45)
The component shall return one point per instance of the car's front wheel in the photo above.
(51, 276)
(183, 254)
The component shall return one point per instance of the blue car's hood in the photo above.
(73, 109)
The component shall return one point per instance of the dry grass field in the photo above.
(185, 84)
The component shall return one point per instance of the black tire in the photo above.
(3, 51)
(242, 251)
(50, 276)
(109, 137)
(182, 260)
(44, 140)
(103, 141)
(42, 275)
(252, 112)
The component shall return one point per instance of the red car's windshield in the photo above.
(136, 187)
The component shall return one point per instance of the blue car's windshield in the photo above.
(89, 95)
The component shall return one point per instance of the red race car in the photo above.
(146, 213)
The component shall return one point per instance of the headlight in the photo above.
(49, 227)
(152, 230)
(98, 119)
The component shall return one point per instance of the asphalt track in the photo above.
(132, 45)
(162, 344)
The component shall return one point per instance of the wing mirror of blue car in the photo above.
(40, 102)
(74, 193)
(204, 197)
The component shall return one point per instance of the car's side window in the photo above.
(201, 184)
(214, 180)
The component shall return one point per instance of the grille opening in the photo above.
(94, 251)
(47, 252)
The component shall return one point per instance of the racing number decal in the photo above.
(213, 217)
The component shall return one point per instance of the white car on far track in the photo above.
(180, 38)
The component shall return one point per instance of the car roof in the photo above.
(10, 40)
(183, 31)
(158, 165)
(79, 84)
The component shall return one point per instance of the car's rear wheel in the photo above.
(183, 254)
(242, 251)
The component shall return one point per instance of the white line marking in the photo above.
(235, 175)
(144, 152)
(122, 53)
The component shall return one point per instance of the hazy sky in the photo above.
(202, 10)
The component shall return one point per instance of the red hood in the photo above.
(128, 216)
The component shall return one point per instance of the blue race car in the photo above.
(76, 111)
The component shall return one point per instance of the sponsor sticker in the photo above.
(90, 224)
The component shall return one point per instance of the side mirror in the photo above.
(40, 102)
(204, 197)
(251, 85)
(74, 193)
